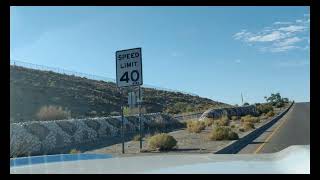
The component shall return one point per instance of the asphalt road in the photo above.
(292, 129)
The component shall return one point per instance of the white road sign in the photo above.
(129, 67)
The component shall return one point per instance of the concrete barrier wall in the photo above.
(50, 137)
(236, 111)
(237, 145)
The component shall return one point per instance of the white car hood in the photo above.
(292, 160)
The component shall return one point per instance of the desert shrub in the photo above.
(74, 151)
(222, 133)
(234, 118)
(195, 126)
(137, 138)
(233, 135)
(249, 118)
(161, 142)
(233, 126)
(246, 126)
(223, 121)
(263, 116)
(127, 111)
(208, 122)
(270, 114)
(264, 108)
(51, 112)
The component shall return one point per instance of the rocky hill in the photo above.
(31, 89)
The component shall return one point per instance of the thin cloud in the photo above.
(279, 37)
(292, 63)
(292, 28)
(288, 42)
(281, 23)
(282, 48)
(275, 35)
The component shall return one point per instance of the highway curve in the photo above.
(291, 129)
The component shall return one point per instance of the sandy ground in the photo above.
(187, 142)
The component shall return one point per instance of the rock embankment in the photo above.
(236, 111)
(60, 136)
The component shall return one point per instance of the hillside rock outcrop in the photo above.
(235, 111)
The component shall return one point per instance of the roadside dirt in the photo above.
(187, 142)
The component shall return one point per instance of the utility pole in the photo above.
(241, 99)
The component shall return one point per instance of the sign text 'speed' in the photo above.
(129, 67)
(128, 56)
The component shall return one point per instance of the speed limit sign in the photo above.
(129, 67)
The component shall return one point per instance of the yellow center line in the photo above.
(270, 136)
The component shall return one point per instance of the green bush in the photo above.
(222, 133)
(161, 142)
(47, 113)
(195, 126)
(233, 136)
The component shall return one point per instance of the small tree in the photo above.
(276, 100)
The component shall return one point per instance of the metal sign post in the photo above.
(140, 128)
(122, 120)
(129, 74)
(122, 129)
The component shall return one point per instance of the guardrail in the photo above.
(237, 145)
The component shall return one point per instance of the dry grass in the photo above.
(222, 133)
(249, 118)
(161, 142)
(270, 114)
(264, 108)
(51, 112)
(223, 121)
(208, 122)
(246, 126)
(234, 118)
(195, 126)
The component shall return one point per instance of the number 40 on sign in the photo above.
(129, 67)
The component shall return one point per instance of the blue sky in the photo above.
(215, 52)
